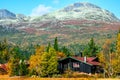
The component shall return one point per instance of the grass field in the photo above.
(6, 77)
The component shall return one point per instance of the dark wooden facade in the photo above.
(78, 65)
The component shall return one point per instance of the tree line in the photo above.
(42, 60)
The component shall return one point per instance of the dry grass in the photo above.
(6, 77)
(108, 79)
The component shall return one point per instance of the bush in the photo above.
(71, 74)
(100, 75)
(57, 76)
(82, 75)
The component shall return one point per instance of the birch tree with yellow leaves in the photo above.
(35, 60)
(116, 61)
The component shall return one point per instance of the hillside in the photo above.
(74, 24)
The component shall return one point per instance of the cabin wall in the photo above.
(74, 66)
(85, 68)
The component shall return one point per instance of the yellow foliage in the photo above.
(116, 61)
(118, 45)
(60, 54)
(101, 58)
(35, 59)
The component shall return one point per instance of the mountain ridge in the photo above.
(84, 11)
(78, 10)
(5, 14)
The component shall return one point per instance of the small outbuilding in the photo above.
(3, 69)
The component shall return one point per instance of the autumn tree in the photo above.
(35, 61)
(116, 61)
(61, 55)
(108, 59)
(118, 45)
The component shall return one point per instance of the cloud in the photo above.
(40, 10)
(56, 1)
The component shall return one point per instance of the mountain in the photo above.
(5, 14)
(74, 24)
(7, 17)
(82, 11)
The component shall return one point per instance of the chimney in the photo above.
(85, 59)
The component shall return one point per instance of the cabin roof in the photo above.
(89, 60)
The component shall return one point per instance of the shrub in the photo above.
(82, 75)
(57, 76)
(71, 74)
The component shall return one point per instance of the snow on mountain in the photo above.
(5, 14)
(7, 17)
(83, 11)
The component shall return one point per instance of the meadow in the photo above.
(6, 77)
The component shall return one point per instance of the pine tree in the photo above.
(66, 51)
(56, 44)
(4, 51)
(49, 63)
(91, 48)
(48, 47)
(15, 66)
(23, 70)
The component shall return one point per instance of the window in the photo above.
(76, 65)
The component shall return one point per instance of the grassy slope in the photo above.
(68, 32)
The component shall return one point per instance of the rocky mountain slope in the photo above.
(5, 14)
(7, 17)
(84, 11)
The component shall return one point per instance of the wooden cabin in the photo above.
(80, 64)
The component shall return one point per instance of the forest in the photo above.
(42, 60)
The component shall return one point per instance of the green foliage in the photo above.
(4, 51)
(113, 47)
(23, 69)
(49, 63)
(48, 47)
(44, 63)
(66, 51)
(56, 44)
(15, 64)
(76, 48)
(91, 48)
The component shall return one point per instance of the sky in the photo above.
(40, 7)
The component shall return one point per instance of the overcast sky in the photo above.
(40, 7)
